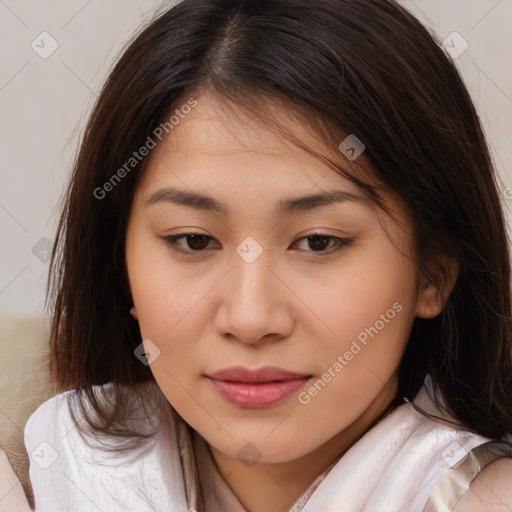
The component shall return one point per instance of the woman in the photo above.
(282, 274)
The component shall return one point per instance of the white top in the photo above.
(394, 466)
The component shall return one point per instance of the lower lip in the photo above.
(258, 394)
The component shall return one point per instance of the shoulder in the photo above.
(491, 490)
(49, 421)
(53, 404)
(67, 470)
(64, 420)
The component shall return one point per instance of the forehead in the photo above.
(217, 141)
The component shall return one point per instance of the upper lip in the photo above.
(263, 374)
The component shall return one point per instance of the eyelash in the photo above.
(340, 243)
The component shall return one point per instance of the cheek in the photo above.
(166, 303)
(372, 293)
(369, 309)
(172, 312)
(162, 295)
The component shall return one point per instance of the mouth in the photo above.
(256, 389)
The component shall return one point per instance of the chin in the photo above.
(261, 450)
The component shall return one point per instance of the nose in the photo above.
(255, 304)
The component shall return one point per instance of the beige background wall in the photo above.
(44, 103)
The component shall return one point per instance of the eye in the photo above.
(325, 243)
(192, 242)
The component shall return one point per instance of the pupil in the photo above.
(197, 241)
(313, 242)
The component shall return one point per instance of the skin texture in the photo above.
(490, 491)
(292, 307)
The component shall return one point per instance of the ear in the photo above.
(435, 287)
(133, 312)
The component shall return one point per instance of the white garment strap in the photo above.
(455, 481)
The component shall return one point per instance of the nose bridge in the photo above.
(253, 281)
(253, 302)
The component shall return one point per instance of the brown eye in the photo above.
(318, 242)
(197, 242)
(188, 243)
(322, 243)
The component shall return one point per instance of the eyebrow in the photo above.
(284, 206)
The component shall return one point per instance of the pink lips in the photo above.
(254, 389)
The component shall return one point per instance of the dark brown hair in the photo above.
(364, 67)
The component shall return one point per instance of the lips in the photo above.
(252, 389)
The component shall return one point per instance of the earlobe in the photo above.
(434, 289)
(133, 313)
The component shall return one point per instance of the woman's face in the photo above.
(251, 290)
